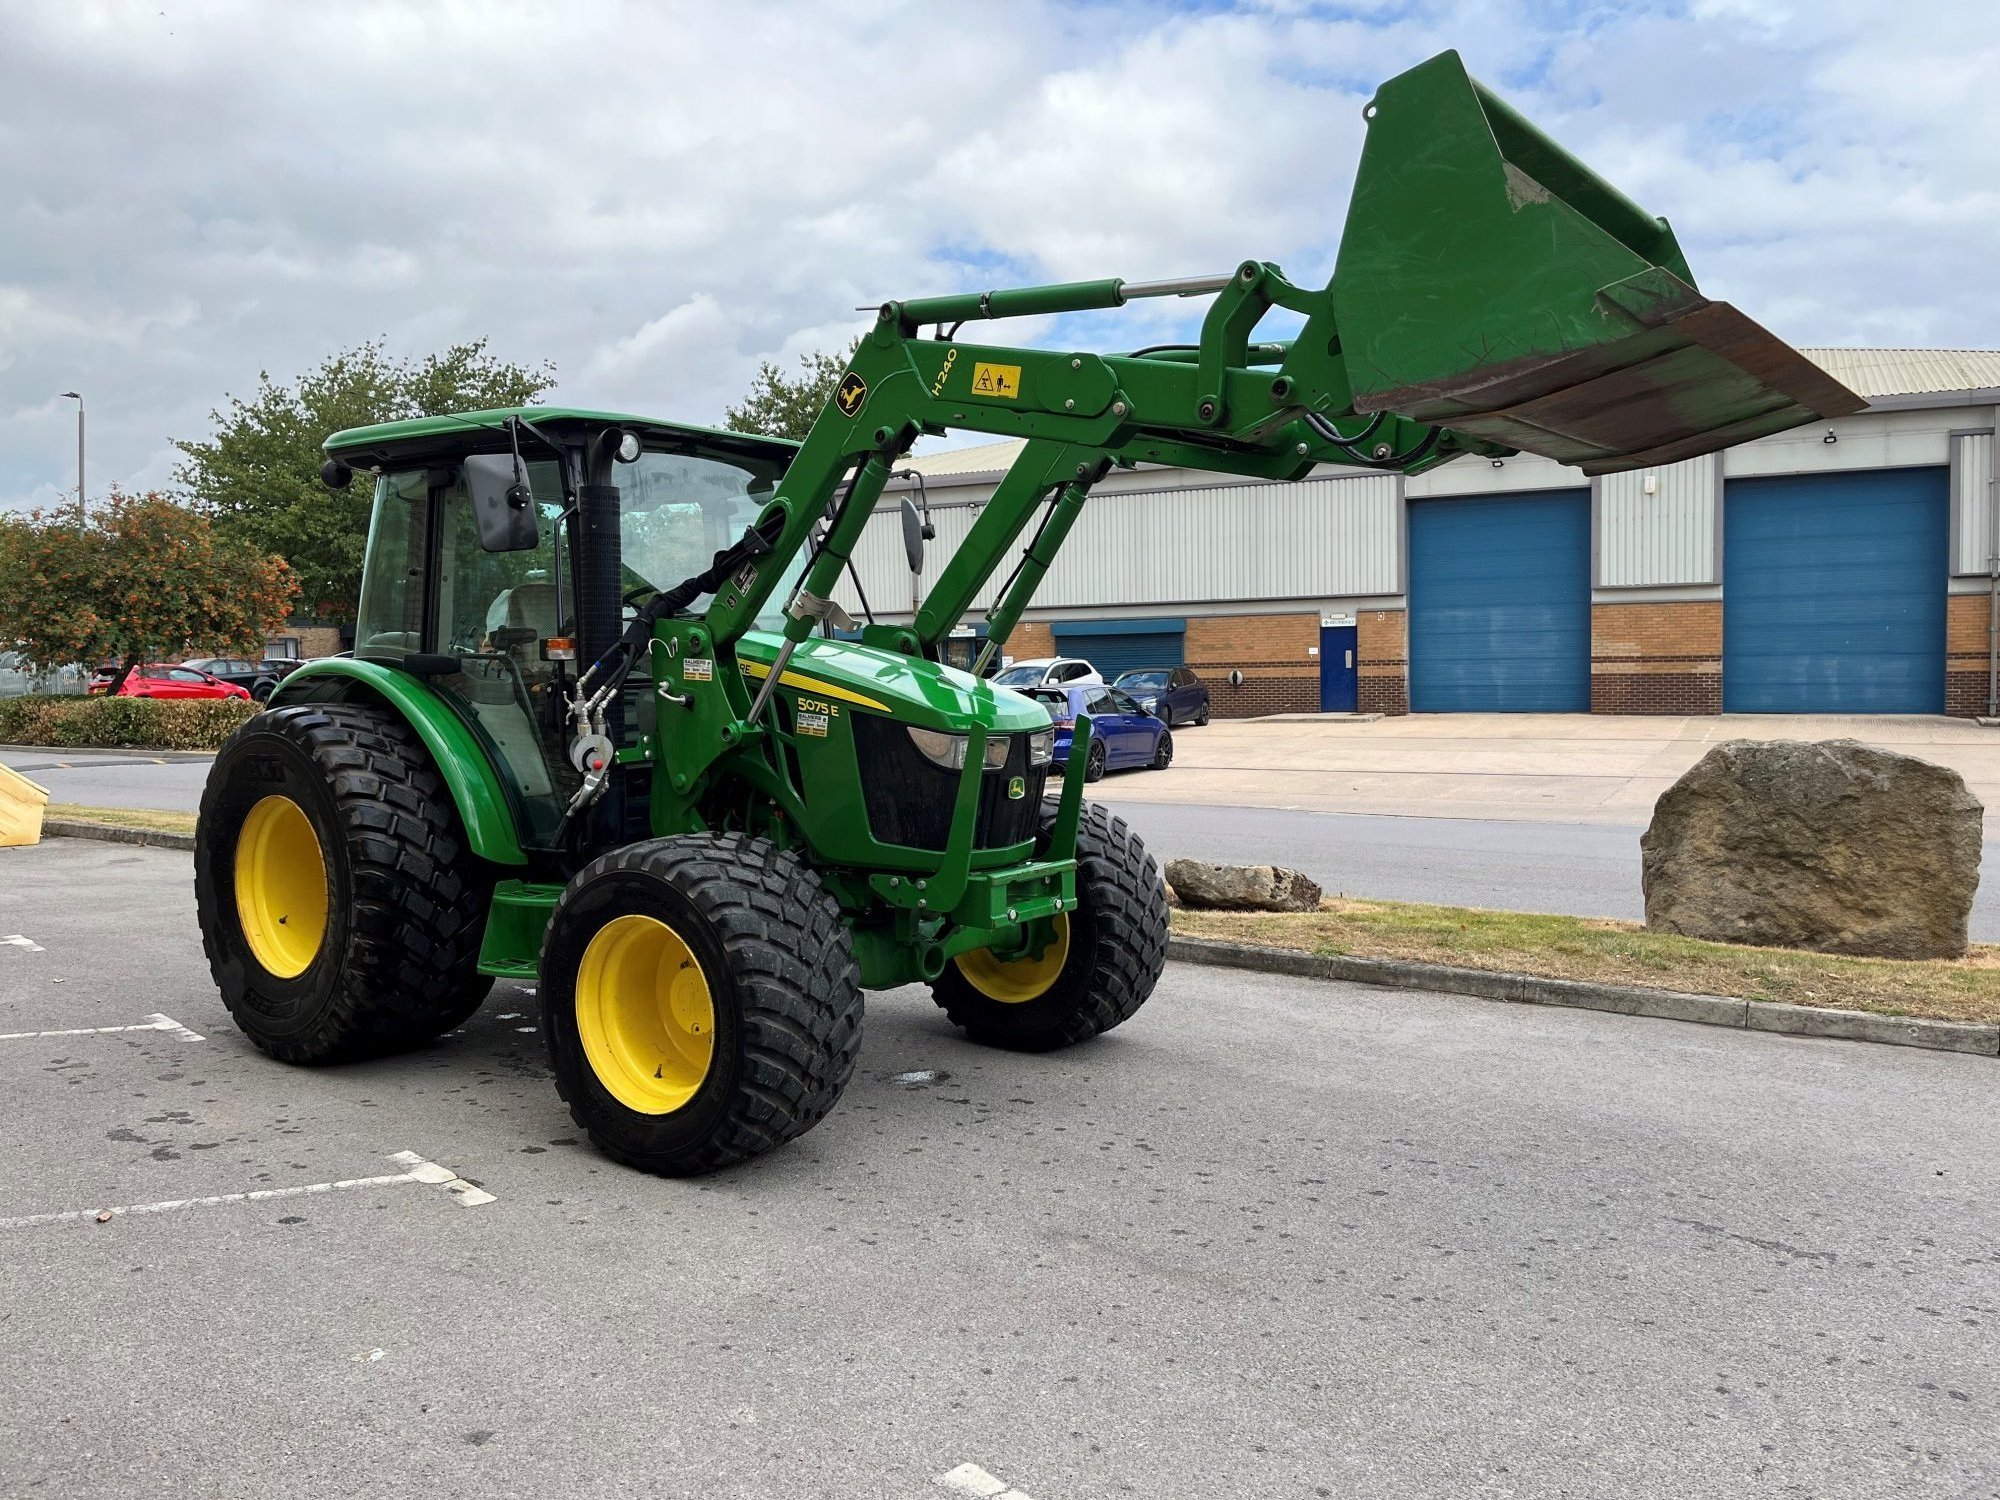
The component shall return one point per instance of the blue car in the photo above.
(1123, 735)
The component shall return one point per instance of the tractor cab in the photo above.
(473, 572)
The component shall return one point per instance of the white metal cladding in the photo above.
(1251, 541)
(1314, 539)
(1666, 537)
(885, 575)
(1972, 502)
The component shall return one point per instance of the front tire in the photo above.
(701, 1001)
(1107, 958)
(1094, 761)
(340, 905)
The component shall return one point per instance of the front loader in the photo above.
(597, 733)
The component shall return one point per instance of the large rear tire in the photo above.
(340, 905)
(1107, 958)
(701, 1001)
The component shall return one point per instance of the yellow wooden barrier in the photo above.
(21, 804)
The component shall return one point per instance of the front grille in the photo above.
(909, 800)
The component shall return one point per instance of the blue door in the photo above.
(1833, 592)
(1337, 681)
(1500, 604)
(1136, 731)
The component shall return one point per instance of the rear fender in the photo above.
(468, 774)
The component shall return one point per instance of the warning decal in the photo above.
(1003, 381)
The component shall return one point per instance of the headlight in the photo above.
(948, 750)
(939, 748)
(1042, 748)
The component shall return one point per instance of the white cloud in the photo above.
(656, 198)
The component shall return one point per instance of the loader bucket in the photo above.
(1490, 282)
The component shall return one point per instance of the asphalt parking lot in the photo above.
(1270, 1239)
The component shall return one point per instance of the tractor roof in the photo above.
(391, 440)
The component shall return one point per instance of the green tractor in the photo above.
(605, 729)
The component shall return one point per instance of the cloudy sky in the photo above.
(657, 196)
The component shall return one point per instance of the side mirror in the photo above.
(914, 532)
(503, 507)
(335, 475)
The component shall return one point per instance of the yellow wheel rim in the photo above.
(281, 887)
(1014, 980)
(645, 1015)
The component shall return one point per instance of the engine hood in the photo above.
(907, 688)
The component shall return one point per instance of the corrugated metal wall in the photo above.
(1320, 538)
(1972, 502)
(1667, 537)
(1141, 541)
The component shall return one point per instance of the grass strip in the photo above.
(1614, 952)
(124, 817)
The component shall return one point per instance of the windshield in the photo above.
(1020, 677)
(1135, 682)
(679, 511)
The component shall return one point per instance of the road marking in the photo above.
(417, 1171)
(970, 1479)
(467, 1194)
(20, 942)
(154, 1022)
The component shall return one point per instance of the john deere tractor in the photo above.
(604, 727)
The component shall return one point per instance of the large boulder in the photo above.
(1832, 846)
(1241, 887)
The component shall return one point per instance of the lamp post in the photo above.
(77, 397)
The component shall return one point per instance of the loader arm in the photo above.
(1491, 295)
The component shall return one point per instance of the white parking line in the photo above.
(15, 939)
(416, 1170)
(154, 1022)
(970, 1479)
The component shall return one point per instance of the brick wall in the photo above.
(1030, 641)
(314, 640)
(1382, 662)
(1273, 652)
(1656, 658)
(1965, 650)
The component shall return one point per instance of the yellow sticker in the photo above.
(1003, 381)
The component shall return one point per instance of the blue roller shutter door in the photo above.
(1500, 604)
(1833, 592)
(1114, 646)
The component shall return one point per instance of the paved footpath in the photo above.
(1270, 1239)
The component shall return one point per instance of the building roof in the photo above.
(1909, 372)
(983, 458)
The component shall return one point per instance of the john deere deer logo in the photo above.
(853, 391)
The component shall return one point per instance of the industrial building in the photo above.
(1843, 568)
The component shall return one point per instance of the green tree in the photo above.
(145, 579)
(258, 473)
(786, 406)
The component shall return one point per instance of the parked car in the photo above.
(1048, 671)
(166, 680)
(1174, 694)
(1123, 736)
(255, 677)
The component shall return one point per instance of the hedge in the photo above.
(136, 723)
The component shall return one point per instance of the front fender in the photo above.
(468, 774)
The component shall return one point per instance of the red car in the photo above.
(164, 680)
